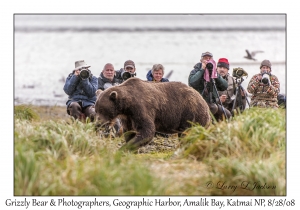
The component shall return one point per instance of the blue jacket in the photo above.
(150, 77)
(81, 90)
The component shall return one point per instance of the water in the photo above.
(46, 47)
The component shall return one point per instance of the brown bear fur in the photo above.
(146, 107)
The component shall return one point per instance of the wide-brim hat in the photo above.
(81, 64)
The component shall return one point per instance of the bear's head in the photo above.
(109, 104)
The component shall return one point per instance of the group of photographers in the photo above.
(222, 92)
(207, 81)
(81, 86)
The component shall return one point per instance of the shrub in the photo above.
(25, 112)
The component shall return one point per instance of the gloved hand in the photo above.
(266, 79)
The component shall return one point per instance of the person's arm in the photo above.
(90, 86)
(221, 83)
(274, 87)
(119, 74)
(196, 76)
(253, 84)
(71, 82)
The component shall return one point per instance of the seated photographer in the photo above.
(227, 96)
(128, 71)
(81, 86)
(202, 79)
(264, 87)
(107, 77)
(156, 74)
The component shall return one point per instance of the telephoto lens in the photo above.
(126, 75)
(84, 74)
(209, 66)
(265, 79)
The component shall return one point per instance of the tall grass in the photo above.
(57, 158)
(67, 157)
(25, 112)
(251, 148)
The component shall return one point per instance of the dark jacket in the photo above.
(104, 83)
(196, 80)
(149, 77)
(119, 75)
(81, 90)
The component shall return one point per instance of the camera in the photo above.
(126, 75)
(209, 66)
(239, 72)
(84, 73)
(265, 78)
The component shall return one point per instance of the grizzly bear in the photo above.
(146, 107)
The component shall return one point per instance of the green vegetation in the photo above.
(25, 112)
(55, 155)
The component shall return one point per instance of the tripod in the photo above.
(238, 100)
(213, 86)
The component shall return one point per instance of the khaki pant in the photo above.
(76, 111)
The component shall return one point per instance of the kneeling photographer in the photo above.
(205, 79)
(264, 87)
(81, 86)
(230, 98)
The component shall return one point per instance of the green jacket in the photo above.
(196, 81)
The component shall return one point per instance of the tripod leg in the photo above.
(204, 88)
(240, 105)
(234, 102)
(214, 85)
(245, 96)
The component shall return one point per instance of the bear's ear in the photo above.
(98, 92)
(113, 95)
